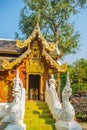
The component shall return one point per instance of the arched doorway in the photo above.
(34, 87)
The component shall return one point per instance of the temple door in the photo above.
(34, 87)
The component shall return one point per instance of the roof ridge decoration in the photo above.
(38, 18)
(48, 45)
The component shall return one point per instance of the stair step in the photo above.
(40, 106)
(37, 111)
(38, 116)
(41, 127)
(42, 121)
(39, 103)
(48, 115)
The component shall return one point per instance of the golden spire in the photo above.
(38, 18)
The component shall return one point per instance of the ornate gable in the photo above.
(37, 48)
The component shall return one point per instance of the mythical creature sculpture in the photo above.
(16, 113)
(68, 112)
(4, 108)
(51, 98)
(66, 121)
(63, 112)
(19, 92)
(19, 97)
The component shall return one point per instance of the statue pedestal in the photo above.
(67, 125)
(16, 127)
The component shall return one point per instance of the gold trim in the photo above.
(48, 45)
(21, 44)
(9, 65)
(60, 68)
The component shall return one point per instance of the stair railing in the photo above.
(51, 98)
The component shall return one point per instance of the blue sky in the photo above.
(9, 18)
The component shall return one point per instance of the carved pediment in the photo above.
(34, 66)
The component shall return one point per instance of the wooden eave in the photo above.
(9, 52)
(9, 65)
(54, 63)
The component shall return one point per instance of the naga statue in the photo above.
(51, 98)
(68, 112)
(17, 109)
(64, 112)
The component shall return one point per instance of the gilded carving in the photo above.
(5, 63)
(4, 89)
(21, 44)
(61, 68)
(48, 45)
(34, 67)
(9, 65)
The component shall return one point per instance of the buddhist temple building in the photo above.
(35, 58)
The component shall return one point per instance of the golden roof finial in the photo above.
(38, 18)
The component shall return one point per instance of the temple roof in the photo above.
(50, 51)
(9, 46)
(50, 46)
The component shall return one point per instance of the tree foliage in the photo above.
(63, 79)
(54, 21)
(78, 75)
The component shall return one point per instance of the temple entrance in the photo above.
(34, 87)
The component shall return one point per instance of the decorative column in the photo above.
(27, 84)
(41, 89)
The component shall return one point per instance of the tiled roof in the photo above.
(7, 45)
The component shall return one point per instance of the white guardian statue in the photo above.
(51, 98)
(66, 121)
(16, 114)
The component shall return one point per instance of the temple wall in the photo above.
(6, 82)
(6, 86)
(22, 73)
(7, 77)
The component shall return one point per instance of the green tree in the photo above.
(63, 79)
(78, 75)
(54, 21)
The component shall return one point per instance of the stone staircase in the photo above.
(38, 117)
